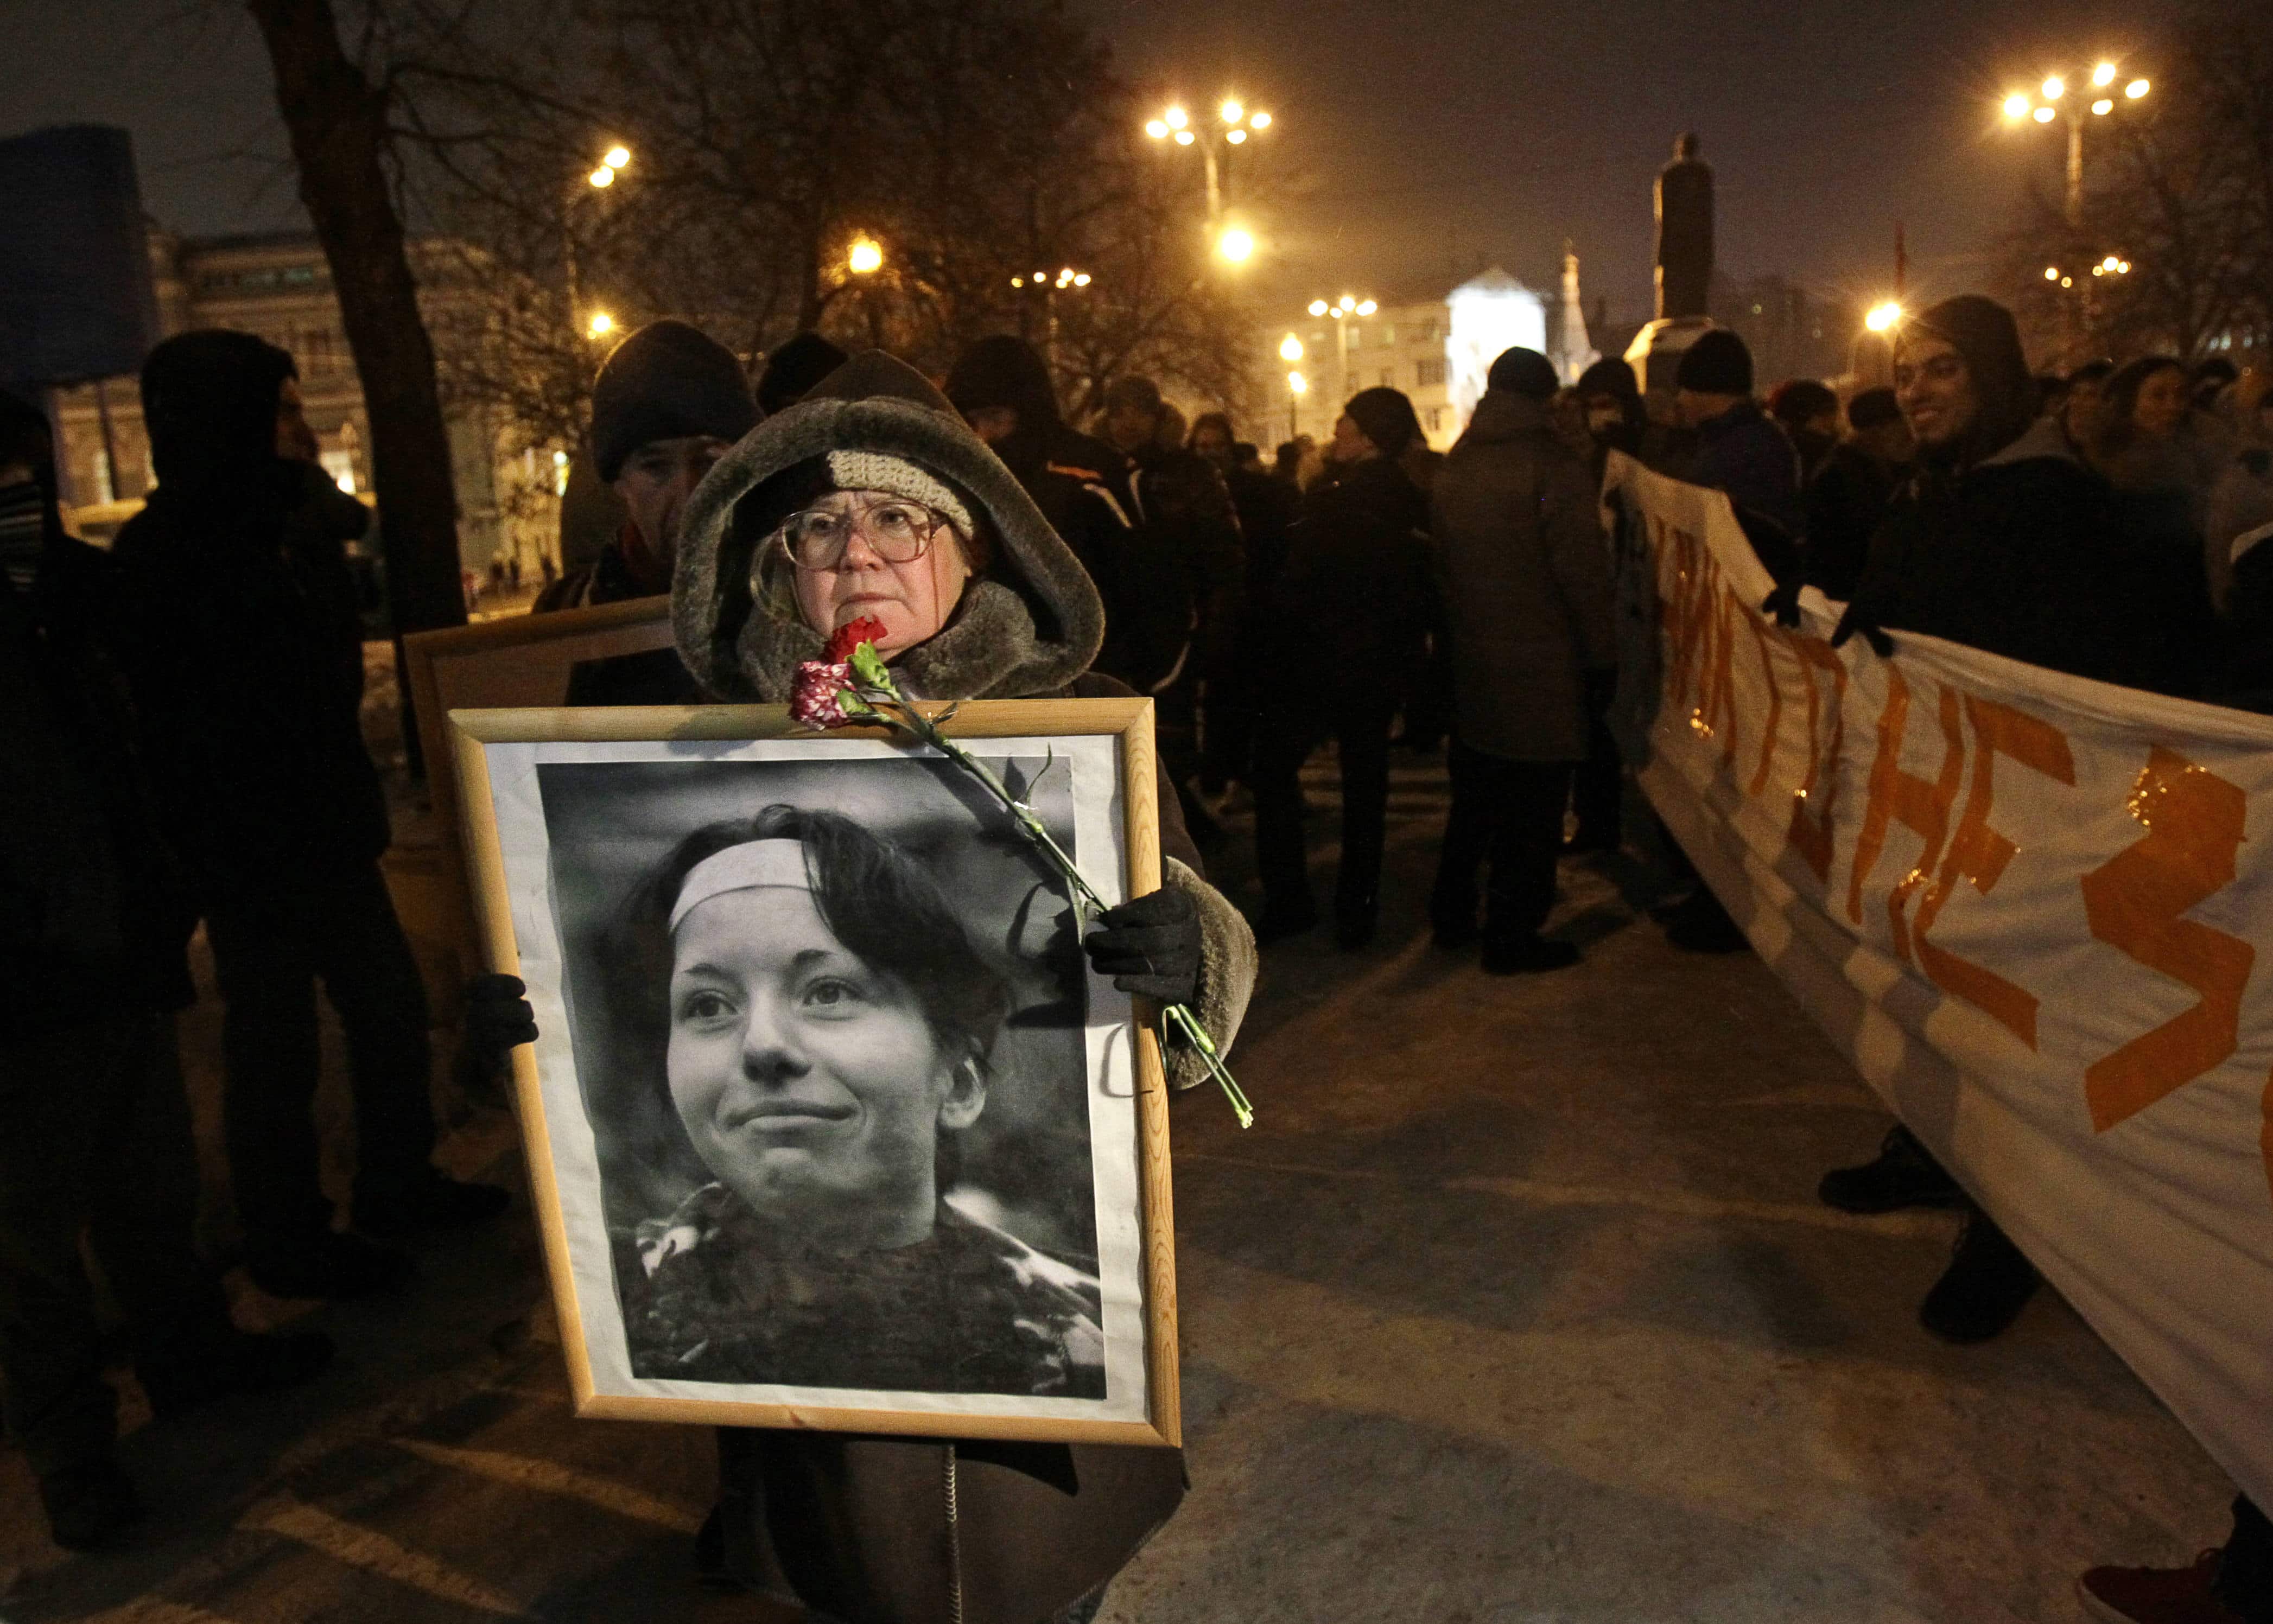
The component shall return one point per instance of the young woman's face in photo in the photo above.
(810, 1083)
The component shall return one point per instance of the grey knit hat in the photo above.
(669, 380)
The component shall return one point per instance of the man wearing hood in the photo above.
(1526, 591)
(246, 661)
(2004, 541)
(95, 1144)
(1356, 606)
(1003, 388)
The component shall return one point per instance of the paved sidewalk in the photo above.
(1516, 1304)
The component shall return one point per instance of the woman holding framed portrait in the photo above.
(872, 501)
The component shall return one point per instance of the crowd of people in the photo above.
(183, 745)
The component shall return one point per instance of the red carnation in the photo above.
(851, 635)
(817, 694)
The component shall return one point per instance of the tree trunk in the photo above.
(338, 125)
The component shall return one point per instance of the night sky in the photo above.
(1411, 142)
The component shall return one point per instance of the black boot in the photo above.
(1987, 1285)
(1905, 1174)
(88, 1507)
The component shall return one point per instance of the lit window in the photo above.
(1430, 373)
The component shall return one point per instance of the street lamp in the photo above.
(1297, 386)
(1290, 348)
(2019, 106)
(603, 176)
(866, 257)
(1236, 245)
(1340, 312)
(1884, 317)
(1236, 121)
(601, 325)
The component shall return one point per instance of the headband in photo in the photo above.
(752, 865)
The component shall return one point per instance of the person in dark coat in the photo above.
(667, 402)
(1525, 582)
(857, 1526)
(95, 1143)
(2003, 541)
(1355, 610)
(1851, 494)
(1265, 507)
(1740, 449)
(1003, 388)
(246, 660)
(1807, 411)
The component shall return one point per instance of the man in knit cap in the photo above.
(668, 400)
(1741, 450)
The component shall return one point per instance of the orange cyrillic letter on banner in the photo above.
(1810, 812)
(2133, 902)
(1922, 804)
(1979, 853)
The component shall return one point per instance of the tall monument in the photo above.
(1685, 273)
(1684, 232)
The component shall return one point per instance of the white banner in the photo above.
(2029, 908)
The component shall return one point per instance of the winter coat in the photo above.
(1846, 501)
(859, 1522)
(1526, 579)
(2240, 501)
(654, 676)
(243, 647)
(2027, 555)
(1186, 512)
(1356, 604)
(1746, 453)
(95, 918)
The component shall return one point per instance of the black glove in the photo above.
(497, 1015)
(1150, 947)
(1782, 604)
(1851, 623)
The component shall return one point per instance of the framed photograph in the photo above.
(831, 1125)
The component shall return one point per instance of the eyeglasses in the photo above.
(900, 530)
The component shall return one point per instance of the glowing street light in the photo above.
(2016, 107)
(2135, 89)
(1177, 118)
(1231, 112)
(2044, 115)
(1297, 384)
(2052, 272)
(1258, 121)
(617, 157)
(2102, 107)
(1235, 123)
(1157, 128)
(602, 178)
(2020, 106)
(1884, 317)
(2055, 87)
(1235, 137)
(1237, 246)
(2104, 75)
(1185, 138)
(601, 325)
(1290, 348)
(1317, 307)
(866, 257)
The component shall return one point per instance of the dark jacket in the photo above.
(1848, 500)
(95, 918)
(1526, 577)
(656, 676)
(1086, 491)
(1356, 604)
(1745, 453)
(2027, 555)
(245, 652)
(1186, 513)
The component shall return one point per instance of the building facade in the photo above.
(279, 287)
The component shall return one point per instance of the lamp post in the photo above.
(612, 162)
(2057, 94)
(1340, 311)
(1235, 124)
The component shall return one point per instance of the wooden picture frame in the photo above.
(552, 797)
(516, 661)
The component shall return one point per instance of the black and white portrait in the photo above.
(836, 1108)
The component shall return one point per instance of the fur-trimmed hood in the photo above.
(1030, 624)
